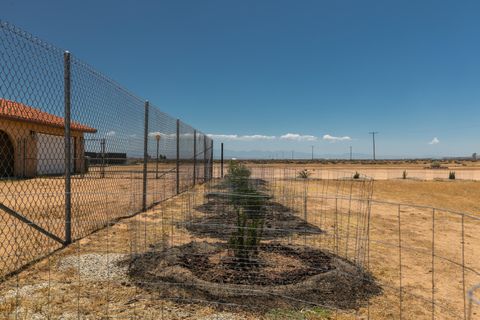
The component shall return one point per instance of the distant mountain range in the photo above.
(258, 154)
(287, 155)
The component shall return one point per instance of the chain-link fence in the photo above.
(78, 151)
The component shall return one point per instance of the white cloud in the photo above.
(330, 138)
(186, 135)
(223, 136)
(156, 133)
(257, 137)
(235, 137)
(434, 141)
(110, 133)
(162, 135)
(298, 137)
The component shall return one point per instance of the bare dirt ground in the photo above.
(420, 188)
(388, 170)
(424, 259)
(454, 195)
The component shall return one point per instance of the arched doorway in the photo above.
(6, 156)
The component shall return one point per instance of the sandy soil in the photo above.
(454, 195)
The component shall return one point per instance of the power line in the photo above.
(443, 129)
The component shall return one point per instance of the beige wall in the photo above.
(25, 145)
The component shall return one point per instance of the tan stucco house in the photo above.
(32, 142)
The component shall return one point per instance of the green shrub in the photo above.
(304, 174)
(245, 241)
(237, 177)
(249, 205)
(435, 165)
(451, 175)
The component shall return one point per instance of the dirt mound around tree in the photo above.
(219, 221)
(281, 276)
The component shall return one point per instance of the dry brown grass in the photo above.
(386, 170)
(454, 195)
(458, 195)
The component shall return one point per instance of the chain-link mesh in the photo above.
(32, 147)
(186, 150)
(162, 149)
(121, 154)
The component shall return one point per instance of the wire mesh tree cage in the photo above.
(259, 240)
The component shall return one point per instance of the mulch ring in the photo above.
(283, 277)
(223, 185)
(220, 220)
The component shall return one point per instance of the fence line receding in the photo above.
(78, 151)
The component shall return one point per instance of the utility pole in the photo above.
(312, 153)
(351, 158)
(373, 133)
(293, 154)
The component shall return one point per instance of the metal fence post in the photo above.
(221, 161)
(68, 155)
(204, 158)
(24, 174)
(145, 159)
(194, 157)
(210, 176)
(178, 156)
(102, 147)
(157, 138)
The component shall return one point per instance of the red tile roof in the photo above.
(17, 111)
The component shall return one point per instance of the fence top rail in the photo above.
(13, 29)
(30, 37)
(89, 68)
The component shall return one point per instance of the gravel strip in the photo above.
(222, 316)
(95, 266)
(26, 290)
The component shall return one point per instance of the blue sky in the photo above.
(251, 72)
